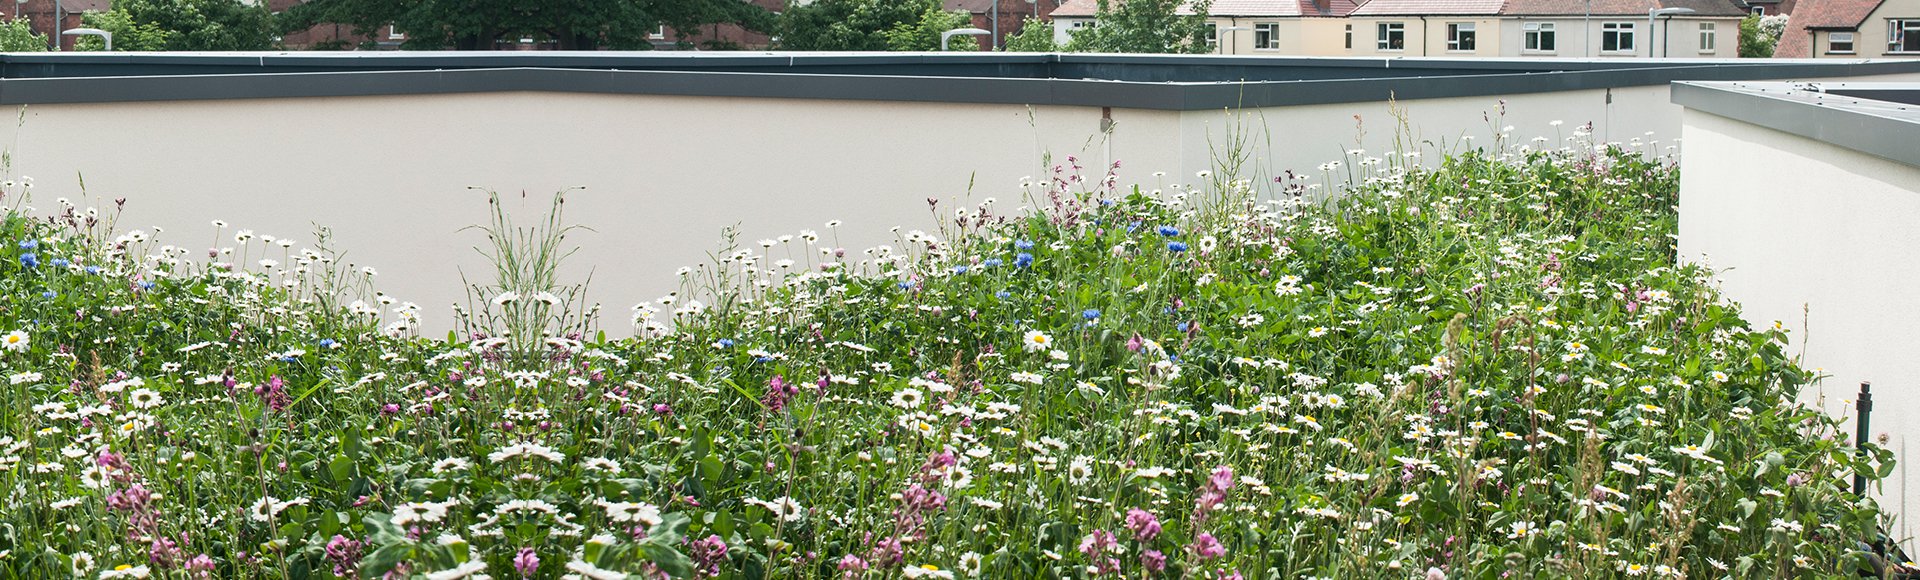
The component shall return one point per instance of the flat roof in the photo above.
(1165, 82)
(1879, 119)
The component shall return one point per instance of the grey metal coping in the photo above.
(1163, 82)
(1836, 113)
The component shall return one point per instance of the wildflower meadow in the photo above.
(1478, 364)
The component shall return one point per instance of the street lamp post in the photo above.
(1227, 39)
(948, 35)
(104, 35)
(1661, 12)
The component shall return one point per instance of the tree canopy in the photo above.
(200, 25)
(1145, 26)
(1035, 35)
(17, 35)
(479, 24)
(848, 25)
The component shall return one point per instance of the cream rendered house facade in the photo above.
(1465, 28)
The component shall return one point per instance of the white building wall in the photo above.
(1823, 239)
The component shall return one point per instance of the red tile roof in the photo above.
(1428, 7)
(1797, 40)
(1277, 8)
(1831, 13)
(1618, 7)
(1281, 8)
(1087, 8)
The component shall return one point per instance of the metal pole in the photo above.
(1650, 14)
(59, 24)
(1586, 34)
(1863, 407)
(996, 26)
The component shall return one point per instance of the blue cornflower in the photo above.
(991, 262)
(93, 269)
(1106, 202)
(1023, 244)
(960, 269)
(1003, 294)
(1169, 231)
(327, 343)
(1090, 313)
(49, 294)
(723, 343)
(1023, 260)
(29, 244)
(1133, 226)
(1182, 327)
(1176, 247)
(906, 284)
(30, 260)
(146, 285)
(59, 262)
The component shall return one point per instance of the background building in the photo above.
(1851, 29)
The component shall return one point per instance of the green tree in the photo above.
(127, 34)
(209, 25)
(924, 34)
(481, 24)
(17, 36)
(1145, 26)
(1035, 35)
(850, 25)
(1753, 42)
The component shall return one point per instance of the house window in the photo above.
(658, 33)
(1213, 35)
(1706, 37)
(1840, 43)
(1460, 36)
(1903, 36)
(1539, 36)
(1349, 37)
(394, 33)
(1616, 37)
(1759, 11)
(1393, 35)
(1266, 36)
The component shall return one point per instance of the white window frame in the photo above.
(1384, 38)
(658, 33)
(1266, 36)
(1349, 36)
(1835, 39)
(394, 33)
(1709, 41)
(1902, 32)
(1539, 37)
(1213, 35)
(1623, 35)
(1455, 40)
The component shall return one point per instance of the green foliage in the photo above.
(479, 24)
(199, 25)
(128, 35)
(1757, 39)
(924, 34)
(1035, 35)
(855, 25)
(1145, 26)
(17, 36)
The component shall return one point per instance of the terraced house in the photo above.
(1467, 28)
